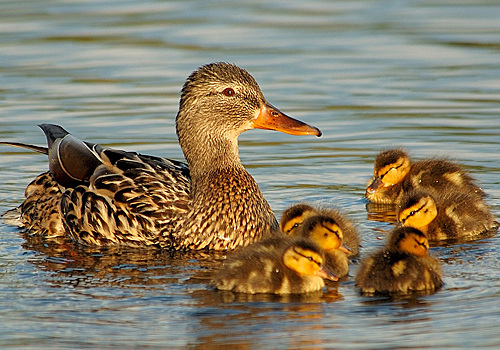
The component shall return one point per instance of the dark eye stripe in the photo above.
(397, 167)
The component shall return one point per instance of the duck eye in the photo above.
(228, 92)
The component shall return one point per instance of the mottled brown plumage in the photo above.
(109, 197)
(448, 216)
(402, 267)
(276, 265)
(394, 174)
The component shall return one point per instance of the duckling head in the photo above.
(307, 259)
(325, 232)
(294, 216)
(390, 169)
(417, 209)
(409, 240)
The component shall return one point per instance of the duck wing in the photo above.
(107, 196)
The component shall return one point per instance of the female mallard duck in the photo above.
(403, 266)
(293, 217)
(328, 235)
(285, 267)
(394, 174)
(101, 196)
(451, 215)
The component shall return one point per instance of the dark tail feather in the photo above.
(53, 132)
(43, 150)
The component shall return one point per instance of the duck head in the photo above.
(409, 240)
(307, 259)
(390, 169)
(325, 232)
(417, 209)
(294, 216)
(218, 102)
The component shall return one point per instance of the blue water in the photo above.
(371, 74)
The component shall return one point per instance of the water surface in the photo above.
(371, 74)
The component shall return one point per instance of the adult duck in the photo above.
(101, 196)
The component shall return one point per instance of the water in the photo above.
(370, 74)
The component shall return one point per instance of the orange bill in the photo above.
(270, 118)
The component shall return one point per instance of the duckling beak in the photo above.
(345, 249)
(271, 118)
(325, 273)
(376, 183)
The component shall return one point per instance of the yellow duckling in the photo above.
(452, 215)
(328, 235)
(394, 174)
(403, 266)
(97, 195)
(287, 266)
(294, 216)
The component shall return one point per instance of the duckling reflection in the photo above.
(292, 268)
(403, 266)
(448, 216)
(394, 174)
(293, 217)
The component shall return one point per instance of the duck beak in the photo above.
(271, 118)
(325, 273)
(344, 249)
(376, 183)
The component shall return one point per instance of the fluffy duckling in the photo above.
(452, 215)
(283, 267)
(394, 174)
(403, 266)
(295, 215)
(328, 235)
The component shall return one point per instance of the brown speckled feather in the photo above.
(101, 196)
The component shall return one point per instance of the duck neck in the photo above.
(207, 151)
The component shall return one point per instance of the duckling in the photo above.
(403, 266)
(294, 216)
(328, 235)
(288, 267)
(451, 215)
(107, 197)
(394, 174)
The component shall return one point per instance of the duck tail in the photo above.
(39, 149)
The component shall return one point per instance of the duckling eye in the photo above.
(228, 92)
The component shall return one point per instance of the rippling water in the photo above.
(370, 74)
